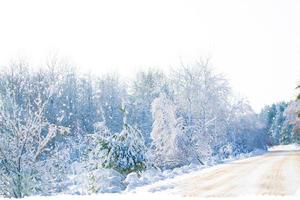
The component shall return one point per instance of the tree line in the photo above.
(54, 118)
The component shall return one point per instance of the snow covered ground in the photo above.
(273, 175)
(290, 147)
(152, 175)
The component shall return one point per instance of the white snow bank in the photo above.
(289, 147)
(215, 160)
(150, 176)
(154, 175)
(99, 180)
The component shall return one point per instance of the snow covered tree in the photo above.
(129, 151)
(24, 142)
(202, 100)
(124, 152)
(276, 123)
(267, 116)
(166, 134)
(291, 114)
(286, 134)
(89, 108)
(185, 118)
(245, 129)
(110, 93)
(145, 88)
(98, 146)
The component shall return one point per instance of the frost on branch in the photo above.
(166, 135)
(124, 152)
(25, 136)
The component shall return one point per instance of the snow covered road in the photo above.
(275, 173)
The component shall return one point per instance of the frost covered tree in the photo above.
(291, 129)
(124, 151)
(89, 108)
(267, 116)
(276, 123)
(24, 144)
(109, 93)
(98, 144)
(291, 114)
(166, 134)
(145, 88)
(245, 129)
(187, 117)
(286, 134)
(202, 100)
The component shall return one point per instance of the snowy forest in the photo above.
(65, 132)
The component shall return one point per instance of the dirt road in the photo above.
(274, 173)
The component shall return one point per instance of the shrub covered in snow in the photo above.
(83, 181)
(123, 152)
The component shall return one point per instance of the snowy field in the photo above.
(273, 175)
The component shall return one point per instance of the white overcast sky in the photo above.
(255, 43)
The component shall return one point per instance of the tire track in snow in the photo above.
(230, 182)
(272, 182)
(275, 173)
(209, 182)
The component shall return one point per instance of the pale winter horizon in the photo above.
(254, 43)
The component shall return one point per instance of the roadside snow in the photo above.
(99, 180)
(246, 170)
(273, 173)
(82, 182)
(134, 181)
(289, 147)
